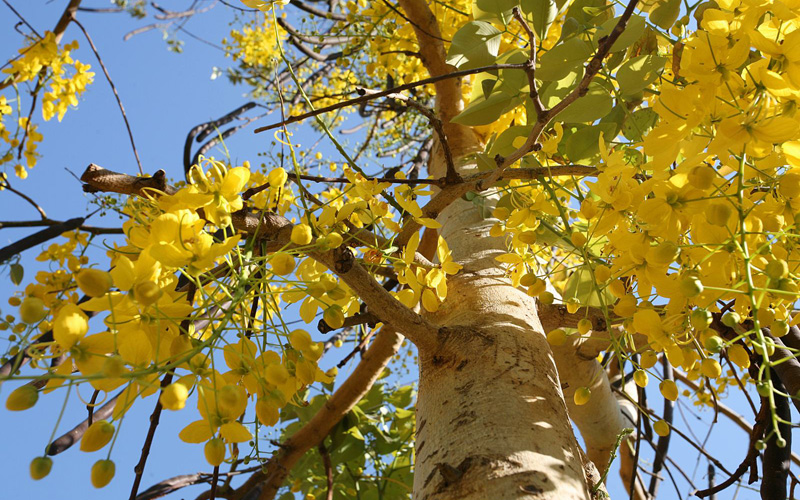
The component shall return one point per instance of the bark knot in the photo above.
(344, 260)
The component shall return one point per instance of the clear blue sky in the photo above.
(165, 94)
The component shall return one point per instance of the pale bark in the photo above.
(491, 418)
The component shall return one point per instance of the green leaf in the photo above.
(590, 12)
(633, 31)
(494, 10)
(353, 431)
(482, 111)
(17, 273)
(639, 72)
(541, 14)
(615, 117)
(665, 13)
(403, 396)
(350, 449)
(594, 105)
(559, 61)
(474, 45)
(553, 92)
(504, 144)
(487, 86)
(581, 285)
(584, 145)
(639, 124)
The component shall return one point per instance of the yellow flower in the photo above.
(70, 325)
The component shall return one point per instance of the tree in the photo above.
(583, 191)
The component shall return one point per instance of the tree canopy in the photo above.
(616, 183)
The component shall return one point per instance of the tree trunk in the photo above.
(491, 418)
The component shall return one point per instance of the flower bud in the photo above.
(102, 473)
(215, 451)
(40, 467)
(32, 310)
(94, 282)
(97, 435)
(173, 397)
(22, 398)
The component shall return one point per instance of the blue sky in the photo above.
(165, 94)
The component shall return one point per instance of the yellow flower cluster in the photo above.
(65, 79)
(696, 217)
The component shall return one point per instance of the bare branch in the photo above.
(735, 417)
(51, 222)
(316, 12)
(75, 434)
(452, 176)
(39, 237)
(319, 40)
(168, 14)
(530, 70)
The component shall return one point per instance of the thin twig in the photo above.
(39, 237)
(385, 93)
(452, 176)
(4, 184)
(214, 479)
(662, 446)
(51, 222)
(358, 348)
(330, 40)
(168, 14)
(114, 90)
(155, 417)
(530, 70)
(24, 21)
(28, 122)
(749, 459)
(316, 12)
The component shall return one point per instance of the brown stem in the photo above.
(452, 176)
(326, 461)
(530, 70)
(155, 417)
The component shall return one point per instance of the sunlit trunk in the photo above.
(492, 423)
